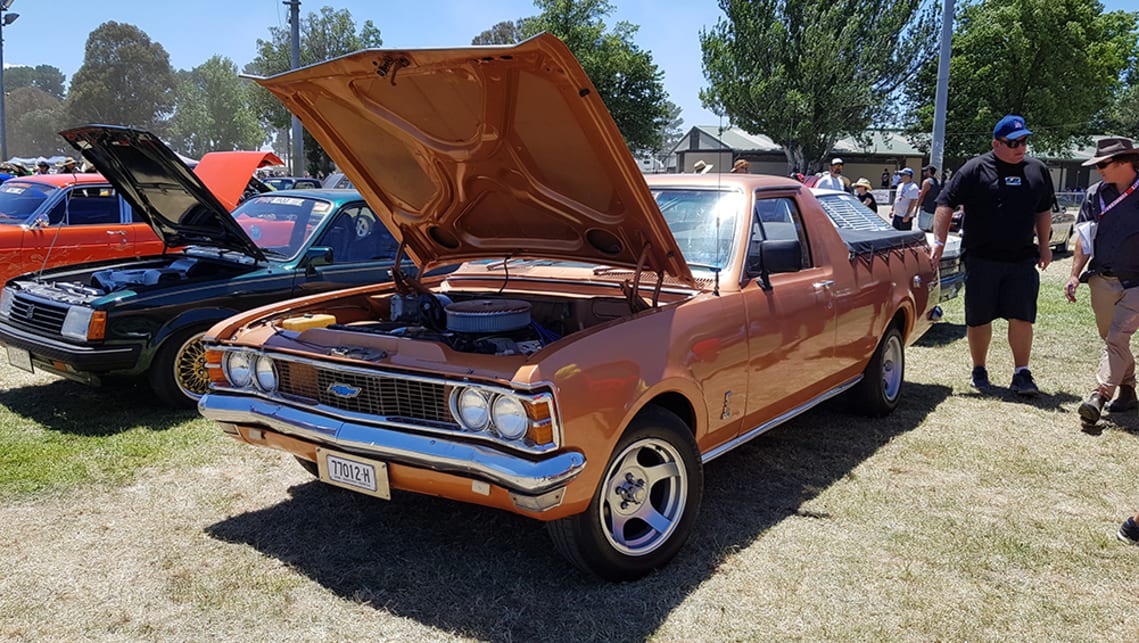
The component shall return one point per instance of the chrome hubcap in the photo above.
(892, 367)
(645, 492)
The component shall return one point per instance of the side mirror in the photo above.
(774, 256)
(317, 256)
(41, 221)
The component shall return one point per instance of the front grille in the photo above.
(381, 395)
(37, 315)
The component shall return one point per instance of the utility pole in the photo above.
(295, 60)
(941, 98)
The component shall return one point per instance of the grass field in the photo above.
(959, 517)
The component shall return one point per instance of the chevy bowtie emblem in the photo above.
(343, 390)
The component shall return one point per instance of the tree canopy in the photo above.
(213, 110)
(43, 77)
(808, 72)
(33, 117)
(324, 35)
(1058, 63)
(626, 77)
(125, 79)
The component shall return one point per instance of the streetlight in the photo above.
(5, 20)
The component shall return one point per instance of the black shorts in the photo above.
(900, 223)
(996, 289)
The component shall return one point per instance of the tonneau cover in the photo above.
(870, 242)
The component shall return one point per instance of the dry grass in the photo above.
(960, 517)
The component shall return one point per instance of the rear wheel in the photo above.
(178, 374)
(881, 386)
(646, 505)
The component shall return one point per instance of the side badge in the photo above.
(727, 412)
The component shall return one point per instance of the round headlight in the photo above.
(266, 374)
(509, 417)
(238, 369)
(473, 409)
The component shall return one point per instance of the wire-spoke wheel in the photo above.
(178, 374)
(645, 506)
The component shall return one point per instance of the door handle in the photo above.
(122, 235)
(819, 285)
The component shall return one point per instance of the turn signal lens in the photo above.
(97, 327)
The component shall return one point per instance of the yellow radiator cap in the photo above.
(308, 321)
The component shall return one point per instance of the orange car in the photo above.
(610, 333)
(49, 220)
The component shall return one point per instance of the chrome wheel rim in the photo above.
(190, 372)
(643, 500)
(892, 367)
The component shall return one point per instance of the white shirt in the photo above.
(830, 182)
(907, 194)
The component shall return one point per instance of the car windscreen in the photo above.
(703, 222)
(279, 184)
(19, 199)
(281, 225)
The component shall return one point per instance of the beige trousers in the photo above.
(1117, 317)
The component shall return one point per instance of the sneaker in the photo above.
(980, 379)
(1129, 532)
(1127, 401)
(1023, 384)
(1092, 408)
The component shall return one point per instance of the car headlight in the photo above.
(509, 417)
(266, 374)
(6, 298)
(76, 322)
(472, 409)
(239, 368)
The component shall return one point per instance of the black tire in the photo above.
(881, 386)
(178, 373)
(640, 482)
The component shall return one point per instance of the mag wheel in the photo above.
(646, 505)
(881, 386)
(178, 374)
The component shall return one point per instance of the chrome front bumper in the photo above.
(514, 473)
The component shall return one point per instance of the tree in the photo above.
(808, 72)
(43, 77)
(628, 81)
(33, 118)
(1058, 63)
(125, 79)
(213, 110)
(326, 35)
(504, 33)
(670, 134)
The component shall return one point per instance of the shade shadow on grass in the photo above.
(942, 333)
(73, 408)
(491, 575)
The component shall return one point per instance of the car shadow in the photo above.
(69, 407)
(942, 333)
(491, 575)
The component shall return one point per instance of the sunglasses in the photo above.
(1012, 145)
(1103, 164)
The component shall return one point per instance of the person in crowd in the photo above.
(1008, 197)
(700, 167)
(741, 166)
(905, 202)
(42, 167)
(885, 178)
(1111, 255)
(68, 166)
(927, 198)
(833, 180)
(862, 191)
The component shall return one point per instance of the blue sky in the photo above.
(54, 32)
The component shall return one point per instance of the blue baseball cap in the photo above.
(1011, 127)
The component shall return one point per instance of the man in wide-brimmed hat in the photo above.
(1109, 237)
(741, 166)
(862, 190)
(1008, 198)
(67, 166)
(700, 167)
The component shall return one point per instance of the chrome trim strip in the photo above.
(530, 477)
(774, 422)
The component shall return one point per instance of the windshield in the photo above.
(19, 199)
(279, 184)
(281, 225)
(703, 223)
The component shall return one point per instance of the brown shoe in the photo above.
(1092, 408)
(1127, 401)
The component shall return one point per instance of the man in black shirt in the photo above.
(1007, 198)
(1111, 209)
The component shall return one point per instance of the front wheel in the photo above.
(178, 374)
(881, 386)
(646, 505)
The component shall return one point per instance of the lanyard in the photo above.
(1126, 193)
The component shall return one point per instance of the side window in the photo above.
(777, 219)
(87, 206)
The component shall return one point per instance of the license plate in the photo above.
(20, 358)
(353, 472)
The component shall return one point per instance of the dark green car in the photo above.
(144, 317)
